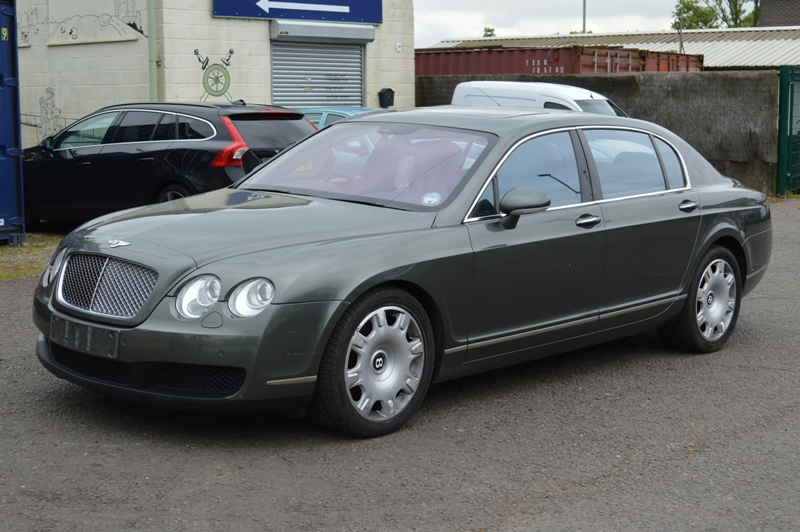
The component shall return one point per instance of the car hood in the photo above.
(230, 222)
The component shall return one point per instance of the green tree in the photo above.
(700, 14)
(696, 16)
(489, 32)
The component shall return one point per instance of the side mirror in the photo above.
(47, 143)
(519, 201)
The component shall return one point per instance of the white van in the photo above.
(533, 94)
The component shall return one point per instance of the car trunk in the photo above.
(267, 133)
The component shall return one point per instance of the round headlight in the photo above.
(251, 297)
(197, 297)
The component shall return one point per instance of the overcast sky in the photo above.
(435, 20)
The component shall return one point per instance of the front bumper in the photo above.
(267, 363)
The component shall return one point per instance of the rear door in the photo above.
(651, 220)
(134, 162)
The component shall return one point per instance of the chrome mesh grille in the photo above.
(107, 286)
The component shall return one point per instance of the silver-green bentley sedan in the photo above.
(386, 253)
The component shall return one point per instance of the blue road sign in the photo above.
(362, 11)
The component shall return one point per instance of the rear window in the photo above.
(274, 130)
(600, 107)
(194, 129)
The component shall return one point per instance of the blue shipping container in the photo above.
(12, 227)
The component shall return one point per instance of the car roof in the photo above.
(502, 120)
(214, 108)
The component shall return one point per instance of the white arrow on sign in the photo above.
(267, 4)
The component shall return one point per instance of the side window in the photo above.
(547, 164)
(165, 130)
(332, 118)
(314, 118)
(554, 105)
(191, 128)
(89, 132)
(486, 203)
(626, 161)
(137, 126)
(672, 164)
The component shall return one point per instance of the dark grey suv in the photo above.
(130, 155)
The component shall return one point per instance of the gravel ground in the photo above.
(630, 435)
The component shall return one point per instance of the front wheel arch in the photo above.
(431, 309)
(350, 394)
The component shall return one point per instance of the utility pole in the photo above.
(584, 16)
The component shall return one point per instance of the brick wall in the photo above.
(779, 13)
(729, 117)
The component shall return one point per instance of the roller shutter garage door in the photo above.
(317, 75)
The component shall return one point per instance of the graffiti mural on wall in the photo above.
(48, 116)
(216, 79)
(80, 21)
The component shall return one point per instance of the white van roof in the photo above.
(556, 89)
(533, 94)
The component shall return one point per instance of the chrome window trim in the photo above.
(494, 171)
(500, 163)
(84, 119)
(659, 137)
(174, 113)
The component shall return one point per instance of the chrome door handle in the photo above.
(687, 206)
(588, 220)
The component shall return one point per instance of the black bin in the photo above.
(386, 97)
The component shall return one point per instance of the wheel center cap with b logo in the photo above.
(379, 362)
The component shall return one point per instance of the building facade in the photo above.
(79, 55)
(779, 13)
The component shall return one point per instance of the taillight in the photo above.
(231, 155)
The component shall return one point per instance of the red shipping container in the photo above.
(572, 60)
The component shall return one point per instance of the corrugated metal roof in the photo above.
(721, 48)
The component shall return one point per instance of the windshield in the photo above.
(404, 166)
(600, 107)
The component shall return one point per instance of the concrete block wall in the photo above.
(81, 77)
(729, 117)
(779, 13)
(385, 66)
(186, 26)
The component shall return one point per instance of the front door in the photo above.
(539, 282)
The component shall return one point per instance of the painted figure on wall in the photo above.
(216, 80)
(48, 116)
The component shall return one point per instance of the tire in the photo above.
(172, 192)
(709, 315)
(377, 365)
(32, 222)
